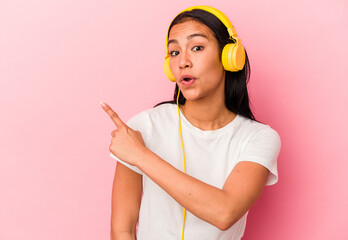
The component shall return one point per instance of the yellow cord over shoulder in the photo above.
(183, 154)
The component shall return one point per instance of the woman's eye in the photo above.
(173, 53)
(197, 48)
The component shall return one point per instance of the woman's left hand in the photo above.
(126, 144)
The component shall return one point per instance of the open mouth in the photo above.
(186, 81)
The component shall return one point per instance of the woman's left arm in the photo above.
(220, 207)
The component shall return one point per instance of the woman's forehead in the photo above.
(189, 27)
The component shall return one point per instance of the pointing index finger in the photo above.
(114, 117)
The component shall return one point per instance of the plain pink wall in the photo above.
(58, 59)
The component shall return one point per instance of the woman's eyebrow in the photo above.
(196, 35)
(189, 37)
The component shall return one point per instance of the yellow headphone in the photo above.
(233, 54)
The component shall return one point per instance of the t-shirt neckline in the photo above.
(228, 127)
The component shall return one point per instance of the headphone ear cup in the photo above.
(167, 70)
(233, 57)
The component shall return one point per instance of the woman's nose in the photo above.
(185, 61)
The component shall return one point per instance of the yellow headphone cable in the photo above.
(232, 58)
(183, 154)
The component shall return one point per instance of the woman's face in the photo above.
(195, 61)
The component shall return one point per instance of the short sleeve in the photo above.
(137, 123)
(135, 169)
(263, 147)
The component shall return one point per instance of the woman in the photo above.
(230, 156)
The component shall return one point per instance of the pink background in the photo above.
(58, 59)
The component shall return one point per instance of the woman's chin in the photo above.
(190, 95)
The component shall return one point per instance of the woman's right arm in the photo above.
(126, 198)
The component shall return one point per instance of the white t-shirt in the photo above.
(210, 157)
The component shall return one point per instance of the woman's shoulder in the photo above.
(252, 129)
(159, 113)
(165, 109)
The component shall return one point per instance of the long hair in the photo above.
(236, 92)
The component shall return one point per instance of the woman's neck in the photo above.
(209, 115)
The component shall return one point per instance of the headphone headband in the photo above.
(220, 15)
(217, 13)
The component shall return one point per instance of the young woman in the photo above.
(230, 156)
